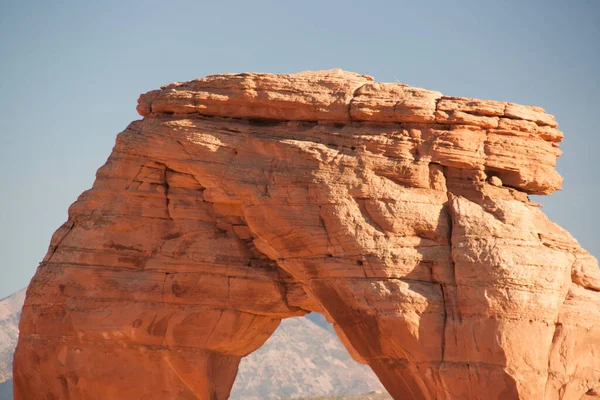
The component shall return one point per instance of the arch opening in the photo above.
(304, 358)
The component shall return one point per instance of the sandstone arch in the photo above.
(239, 200)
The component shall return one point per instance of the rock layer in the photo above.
(400, 214)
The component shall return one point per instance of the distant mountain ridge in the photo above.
(303, 358)
(367, 396)
(10, 311)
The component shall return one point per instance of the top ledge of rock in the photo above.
(334, 95)
(516, 142)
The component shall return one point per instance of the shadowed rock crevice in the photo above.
(242, 199)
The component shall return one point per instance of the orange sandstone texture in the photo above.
(399, 213)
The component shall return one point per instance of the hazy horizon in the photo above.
(72, 73)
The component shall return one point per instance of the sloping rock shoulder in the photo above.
(400, 214)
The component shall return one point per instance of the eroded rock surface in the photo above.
(399, 213)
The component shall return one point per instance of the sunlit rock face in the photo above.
(399, 213)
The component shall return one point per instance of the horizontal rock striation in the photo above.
(400, 214)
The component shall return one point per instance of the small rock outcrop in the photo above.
(400, 214)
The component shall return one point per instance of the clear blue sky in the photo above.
(71, 72)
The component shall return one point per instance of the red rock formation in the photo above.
(399, 213)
